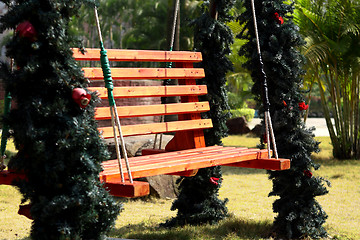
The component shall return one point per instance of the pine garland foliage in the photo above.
(198, 200)
(298, 213)
(58, 142)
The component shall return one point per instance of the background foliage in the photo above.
(135, 24)
(331, 30)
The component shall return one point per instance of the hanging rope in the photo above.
(105, 65)
(172, 40)
(268, 125)
(177, 6)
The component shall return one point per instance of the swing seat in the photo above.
(186, 152)
(187, 162)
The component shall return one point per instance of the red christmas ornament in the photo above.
(214, 180)
(303, 106)
(308, 173)
(81, 97)
(284, 103)
(26, 30)
(278, 18)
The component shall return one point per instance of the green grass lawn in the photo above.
(249, 205)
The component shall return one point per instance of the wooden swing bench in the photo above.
(186, 152)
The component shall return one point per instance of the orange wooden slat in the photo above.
(151, 128)
(93, 54)
(151, 91)
(111, 166)
(145, 73)
(173, 157)
(196, 137)
(152, 110)
(183, 164)
(190, 164)
(167, 156)
(268, 164)
(186, 163)
(127, 189)
(171, 160)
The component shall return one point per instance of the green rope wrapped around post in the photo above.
(5, 130)
(105, 65)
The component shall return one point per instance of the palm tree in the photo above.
(332, 30)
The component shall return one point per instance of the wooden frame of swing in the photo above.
(186, 152)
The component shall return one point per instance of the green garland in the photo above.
(298, 213)
(198, 200)
(58, 142)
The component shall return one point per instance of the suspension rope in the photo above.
(172, 40)
(177, 6)
(105, 65)
(268, 125)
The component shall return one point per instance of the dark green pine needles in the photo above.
(59, 145)
(298, 213)
(198, 200)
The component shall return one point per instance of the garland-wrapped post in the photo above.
(198, 200)
(298, 213)
(53, 126)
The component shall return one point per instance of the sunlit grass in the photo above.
(249, 205)
(241, 141)
(12, 225)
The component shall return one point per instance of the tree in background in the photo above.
(135, 24)
(298, 213)
(198, 200)
(239, 82)
(331, 29)
(54, 130)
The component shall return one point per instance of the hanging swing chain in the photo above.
(268, 124)
(114, 115)
(172, 40)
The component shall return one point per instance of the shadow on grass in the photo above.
(241, 171)
(336, 163)
(231, 228)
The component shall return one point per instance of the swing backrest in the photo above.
(142, 98)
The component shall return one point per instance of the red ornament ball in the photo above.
(81, 97)
(308, 173)
(214, 180)
(303, 106)
(26, 30)
(279, 19)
